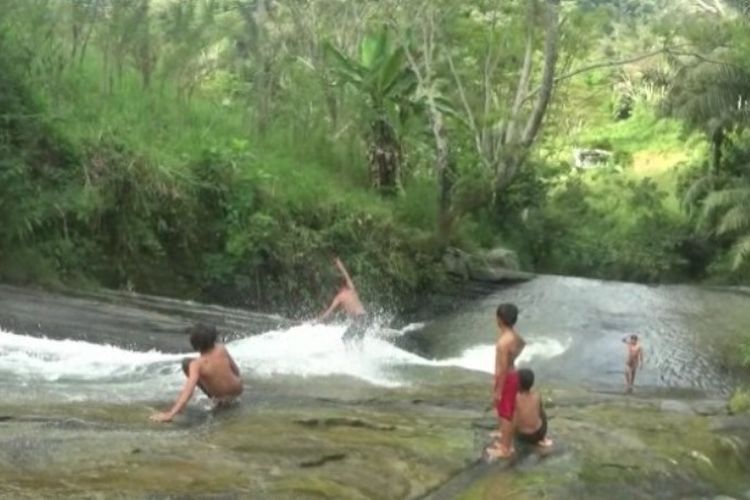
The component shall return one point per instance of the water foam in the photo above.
(40, 358)
(482, 357)
(309, 350)
(319, 350)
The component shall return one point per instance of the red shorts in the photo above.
(506, 405)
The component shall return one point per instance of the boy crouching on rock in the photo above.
(530, 421)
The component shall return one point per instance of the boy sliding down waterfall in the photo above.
(347, 299)
(214, 372)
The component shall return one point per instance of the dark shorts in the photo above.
(536, 437)
(356, 330)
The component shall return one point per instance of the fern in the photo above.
(741, 252)
(735, 220)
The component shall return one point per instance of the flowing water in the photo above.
(573, 327)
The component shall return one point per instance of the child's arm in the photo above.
(344, 273)
(233, 366)
(640, 356)
(184, 397)
(331, 308)
(501, 368)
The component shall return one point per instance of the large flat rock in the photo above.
(119, 318)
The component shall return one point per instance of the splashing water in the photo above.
(83, 370)
(482, 357)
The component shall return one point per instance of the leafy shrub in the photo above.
(740, 401)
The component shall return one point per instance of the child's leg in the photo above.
(628, 377)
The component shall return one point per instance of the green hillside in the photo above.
(226, 150)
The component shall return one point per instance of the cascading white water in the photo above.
(83, 370)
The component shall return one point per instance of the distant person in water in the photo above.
(347, 299)
(530, 422)
(214, 372)
(633, 362)
(508, 348)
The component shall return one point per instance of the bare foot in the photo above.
(545, 443)
(499, 452)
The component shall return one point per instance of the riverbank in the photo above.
(350, 440)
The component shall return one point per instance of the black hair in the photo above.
(525, 379)
(507, 314)
(202, 337)
(634, 338)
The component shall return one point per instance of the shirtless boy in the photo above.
(633, 362)
(214, 372)
(509, 346)
(530, 421)
(347, 299)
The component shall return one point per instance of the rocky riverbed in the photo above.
(355, 441)
(333, 435)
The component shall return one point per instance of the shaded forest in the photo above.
(226, 150)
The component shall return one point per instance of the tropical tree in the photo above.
(383, 79)
(730, 209)
(710, 93)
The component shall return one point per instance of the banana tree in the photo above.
(383, 79)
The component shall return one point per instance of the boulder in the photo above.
(503, 257)
(590, 158)
(499, 265)
(456, 262)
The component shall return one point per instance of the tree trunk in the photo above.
(717, 141)
(384, 157)
(514, 154)
(445, 172)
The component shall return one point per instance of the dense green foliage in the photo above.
(227, 149)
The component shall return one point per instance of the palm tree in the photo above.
(728, 212)
(712, 94)
(713, 97)
(383, 79)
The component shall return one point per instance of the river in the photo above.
(573, 327)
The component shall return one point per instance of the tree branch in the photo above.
(551, 41)
(603, 64)
(470, 115)
(523, 85)
(621, 62)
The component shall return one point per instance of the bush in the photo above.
(740, 401)
(618, 229)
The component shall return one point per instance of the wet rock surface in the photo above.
(399, 443)
(340, 438)
(119, 318)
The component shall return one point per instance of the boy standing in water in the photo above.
(508, 348)
(633, 362)
(347, 299)
(530, 420)
(214, 372)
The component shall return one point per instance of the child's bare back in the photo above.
(219, 375)
(530, 422)
(214, 372)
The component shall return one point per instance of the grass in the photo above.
(645, 145)
(170, 132)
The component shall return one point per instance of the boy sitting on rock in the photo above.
(530, 422)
